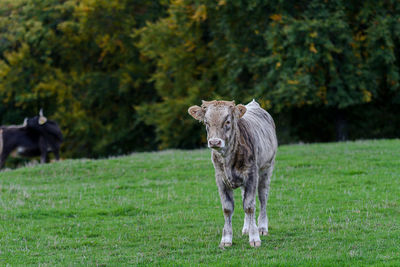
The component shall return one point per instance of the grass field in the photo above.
(330, 204)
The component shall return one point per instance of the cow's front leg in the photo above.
(263, 189)
(249, 206)
(43, 150)
(226, 195)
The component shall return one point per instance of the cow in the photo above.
(243, 144)
(37, 136)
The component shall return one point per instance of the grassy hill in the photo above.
(330, 204)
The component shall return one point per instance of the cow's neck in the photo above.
(228, 156)
(234, 164)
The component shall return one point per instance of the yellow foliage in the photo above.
(367, 95)
(313, 49)
(276, 17)
(177, 2)
(293, 82)
(314, 34)
(360, 37)
(200, 14)
(222, 2)
(14, 57)
(103, 40)
(265, 104)
(278, 64)
(171, 23)
(85, 6)
(4, 69)
(190, 45)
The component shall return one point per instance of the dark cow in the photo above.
(244, 144)
(36, 137)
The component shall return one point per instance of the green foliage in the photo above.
(120, 75)
(183, 74)
(77, 60)
(287, 55)
(329, 205)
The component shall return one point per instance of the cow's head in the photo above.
(220, 119)
(36, 121)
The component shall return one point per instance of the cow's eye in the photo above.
(227, 123)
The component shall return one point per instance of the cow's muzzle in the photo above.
(216, 143)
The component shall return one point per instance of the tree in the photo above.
(287, 54)
(77, 60)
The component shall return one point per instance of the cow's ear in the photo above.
(240, 110)
(196, 112)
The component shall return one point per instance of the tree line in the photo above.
(119, 75)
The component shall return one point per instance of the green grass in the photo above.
(330, 204)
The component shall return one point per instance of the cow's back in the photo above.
(259, 127)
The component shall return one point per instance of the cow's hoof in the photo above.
(255, 244)
(225, 244)
(263, 231)
(245, 231)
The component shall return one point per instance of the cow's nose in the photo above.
(214, 143)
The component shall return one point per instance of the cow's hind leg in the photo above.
(2, 160)
(57, 153)
(226, 195)
(245, 229)
(249, 206)
(43, 157)
(3, 156)
(263, 190)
